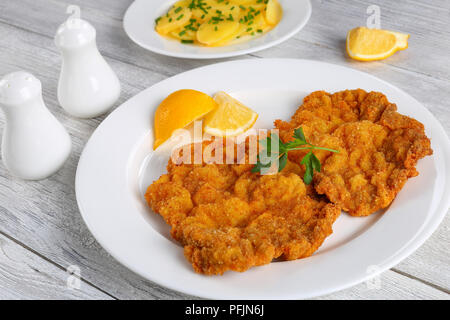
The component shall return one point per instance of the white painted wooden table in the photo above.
(41, 230)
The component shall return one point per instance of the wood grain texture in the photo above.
(44, 216)
(430, 263)
(390, 286)
(24, 275)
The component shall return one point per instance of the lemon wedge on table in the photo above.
(178, 110)
(366, 44)
(230, 118)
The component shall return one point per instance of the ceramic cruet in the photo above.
(87, 87)
(34, 144)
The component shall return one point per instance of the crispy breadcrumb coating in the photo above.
(379, 147)
(228, 218)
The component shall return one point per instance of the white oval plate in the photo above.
(114, 171)
(139, 24)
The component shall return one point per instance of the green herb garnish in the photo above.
(310, 161)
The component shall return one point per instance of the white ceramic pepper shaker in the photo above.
(87, 87)
(34, 144)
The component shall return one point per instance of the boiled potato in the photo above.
(236, 35)
(251, 4)
(183, 34)
(176, 18)
(257, 23)
(274, 12)
(219, 22)
(182, 3)
(210, 33)
(225, 11)
(243, 2)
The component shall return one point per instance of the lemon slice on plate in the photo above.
(366, 44)
(178, 110)
(230, 118)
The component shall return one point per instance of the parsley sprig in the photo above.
(310, 161)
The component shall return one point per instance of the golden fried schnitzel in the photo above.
(379, 147)
(228, 218)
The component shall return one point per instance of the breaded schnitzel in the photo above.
(379, 148)
(228, 218)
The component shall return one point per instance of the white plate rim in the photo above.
(427, 229)
(251, 49)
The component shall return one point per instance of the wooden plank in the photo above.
(111, 38)
(24, 275)
(330, 21)
(314, 42)
(390, 286)
(430, 263)
(427, 22)
(44, 214)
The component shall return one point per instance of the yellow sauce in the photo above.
(216, 23)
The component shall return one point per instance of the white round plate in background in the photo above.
(114, 172)
(139, 24)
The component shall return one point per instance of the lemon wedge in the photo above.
(178, 110)
(366, 44)
(230, 118)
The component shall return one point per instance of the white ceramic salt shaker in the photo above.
(34, 144)
(87, 87)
